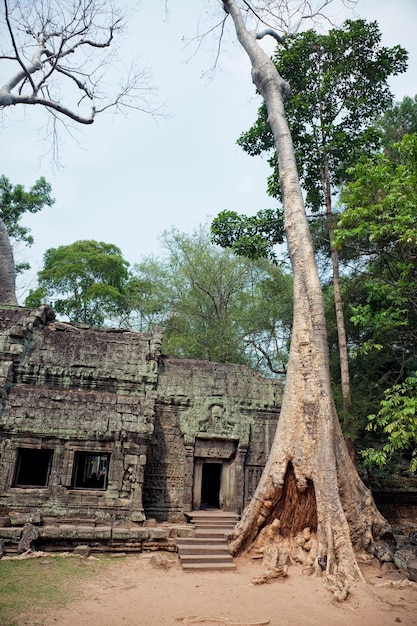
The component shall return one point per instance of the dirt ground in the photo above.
(136, 592)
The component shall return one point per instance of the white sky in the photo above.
(132, 178)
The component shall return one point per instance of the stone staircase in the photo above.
(208, 550)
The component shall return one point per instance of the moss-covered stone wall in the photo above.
(95, 424)
(208, 413)
(74, 391)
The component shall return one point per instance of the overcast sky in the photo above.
(127, 180)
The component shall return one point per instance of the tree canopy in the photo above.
(252, 236)
(379, 221)
(15, 202)
(84, 281)
(213, 305)
(338, 88)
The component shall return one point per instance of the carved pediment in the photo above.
(215, 418)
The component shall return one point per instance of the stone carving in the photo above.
(214, 449)
(127, 481)
(210, 417)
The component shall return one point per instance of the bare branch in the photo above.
(270, 31)
(289, 16)
(269, 360)
(17, 57)
(49, 104)
(68, 48)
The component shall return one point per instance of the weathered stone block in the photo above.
(85, 532)
(139, 533)
(30, 534)
(20, 519)
(120, 533)
(182, 531)
(49, 532)
(158, 533)
(102, 532)
(12, 534)
(68, 531)
(82, 550)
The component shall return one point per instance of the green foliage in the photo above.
(379, 221)
(397, 419)
(15, 202)
(212, 304)
(399, 120)
(251, 236)
(338, 86)
(84, 281)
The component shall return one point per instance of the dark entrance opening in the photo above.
(210, 485)
(90, 470)
(33, 468)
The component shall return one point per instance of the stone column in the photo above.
(240, 478)
(188, 477)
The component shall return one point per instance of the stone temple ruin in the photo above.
(100, 433)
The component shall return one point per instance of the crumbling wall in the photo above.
(84, 396)
(75, 399)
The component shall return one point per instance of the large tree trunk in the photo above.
(308, 446)
(7, 269)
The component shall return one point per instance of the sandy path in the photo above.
(136, 593)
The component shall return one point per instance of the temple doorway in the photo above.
(210, 485)
(214, 475)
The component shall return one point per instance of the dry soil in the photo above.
(137, 592)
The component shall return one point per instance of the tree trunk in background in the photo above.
(7, 269)
(338, 303)
(308, 450)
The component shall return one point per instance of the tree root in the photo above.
(399, 584)
(338, 586)
(271, 574)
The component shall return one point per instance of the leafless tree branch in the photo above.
(66, 52)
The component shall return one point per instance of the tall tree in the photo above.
(309, 479)
(338, 87)
(84, 281)
(15, 201)
(59, 56)
(213, 305)
(380, 223)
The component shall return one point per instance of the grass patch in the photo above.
(29, 587)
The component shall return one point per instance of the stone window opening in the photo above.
(33, 467)
(90, 470)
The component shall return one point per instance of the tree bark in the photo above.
(7, 269)
(308, 441)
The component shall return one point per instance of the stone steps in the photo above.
(208, 549)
